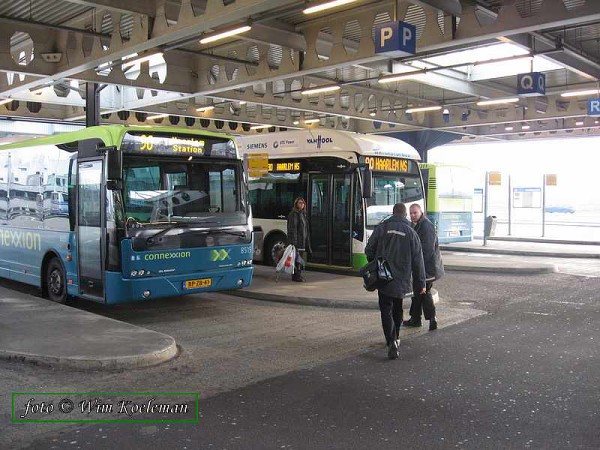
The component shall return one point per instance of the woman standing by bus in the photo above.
(298, 234)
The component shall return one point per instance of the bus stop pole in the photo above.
(543, 205)
(485, 205)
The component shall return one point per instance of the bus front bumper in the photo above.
(121, 290)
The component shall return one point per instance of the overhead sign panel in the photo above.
(593, 107)
(396, 39)
(531, 84)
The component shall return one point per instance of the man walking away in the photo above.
(395, 240)
(434, 269)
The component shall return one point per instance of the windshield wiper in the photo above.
(150, 239)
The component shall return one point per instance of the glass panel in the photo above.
(158, 190)
(273, 195)
(340, 230)
(390, 189)
(90, 228)
(319, 202)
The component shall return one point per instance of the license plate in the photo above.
(195, 284)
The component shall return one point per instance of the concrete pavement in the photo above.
(41, 332)
(522, 247)
(346, 291)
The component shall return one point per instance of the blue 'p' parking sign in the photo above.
(396, 39)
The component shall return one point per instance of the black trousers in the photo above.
(422, 302)
(391, 316)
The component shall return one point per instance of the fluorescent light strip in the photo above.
(225, 34)
(580, 92)
(130, 63)
(579, 123)
(423, 109)
(401, 76)
(157, 116)
(260, 127)
(502, 60)
(4, 102)
(205, 109)
(509, 128)
(312, 120)
(319, 90)
(525, 127)
(499, 101)
(327, 5)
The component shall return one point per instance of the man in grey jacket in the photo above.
(395, 240)
(434, 269)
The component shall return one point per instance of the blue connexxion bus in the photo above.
(120, 214)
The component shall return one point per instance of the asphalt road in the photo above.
(525, 375)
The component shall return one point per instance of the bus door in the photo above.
(90, 228)
(329, 211)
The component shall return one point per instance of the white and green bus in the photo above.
(350, 181)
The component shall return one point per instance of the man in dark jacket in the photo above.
(298, 234)
(434, 269)
(396, 242)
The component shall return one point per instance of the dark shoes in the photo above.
(298, 279)
(412, 322)
(393, 349)
(432, 325)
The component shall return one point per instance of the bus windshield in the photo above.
(389, 189)
(159, 190)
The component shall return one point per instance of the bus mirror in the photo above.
(367, 188)
(114, 162)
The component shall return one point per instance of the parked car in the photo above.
(559, 209)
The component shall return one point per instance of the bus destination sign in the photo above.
(177, 145)
(277, 166)
(387, 164)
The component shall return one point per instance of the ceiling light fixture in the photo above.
(205, 109)
(296, 122)
(581, 92)
(423, 109)
(327, 5)
(157, 116)
(401, 76)
(579, 123)
(225, 34)
(498, 101)
(312, 120)
(525, 127)
(508, 128)
(260, 127)
(319, 90)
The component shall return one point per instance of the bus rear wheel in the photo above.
(56, 282)
(274, 248)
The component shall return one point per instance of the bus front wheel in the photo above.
(56, 281)
(274, 248)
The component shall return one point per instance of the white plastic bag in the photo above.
(286, 263)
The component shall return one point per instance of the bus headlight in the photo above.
(240, 282)
(141, 272)
(146, 294)
(133, 273)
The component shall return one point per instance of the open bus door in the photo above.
(90, 227)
